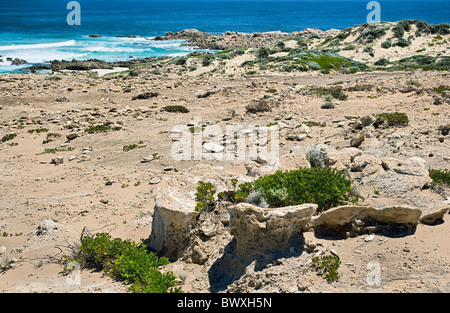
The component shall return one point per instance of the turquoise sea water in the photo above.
(37, 31)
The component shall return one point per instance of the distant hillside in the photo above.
(404, 45)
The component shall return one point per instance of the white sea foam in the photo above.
(39, 46)
(103, 48)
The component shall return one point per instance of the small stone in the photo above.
(369, 238)
(328, 105)
(104, 201)
(85, 158)
(46, 226)
(58, 160)
(71, 136)
(147, 159)
(154, 181)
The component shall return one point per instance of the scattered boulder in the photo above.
(263, 105)
(18, 62)
(46, 226)
(57, 161)
(433, 216)
(211, 91)
(354, 220)
(174, 218)
(262, 232)
(328, 105)
(146, 95)
(358, 139)
(72, 136)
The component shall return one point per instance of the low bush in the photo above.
(382, 62)
(128, 148)
(402, 42)
(391, 119)
(125, 261)
(327, 266)
(176, 109)
(440, 176)
(208, 59)
(38, 130)
(386, 44)
(9, 137)
(97, 129)
(263, 52)
(371, 34)
(55, 150)
(336, 92)
(325, 187)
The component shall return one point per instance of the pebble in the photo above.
(58, 160)
(154, 181)
(147, 159)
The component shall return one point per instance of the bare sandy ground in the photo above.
(103, 188)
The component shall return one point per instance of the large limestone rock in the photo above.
(171, 229)
(434, 215)
(173, 219)
(175, 222)
(260, 232)
(353, 220)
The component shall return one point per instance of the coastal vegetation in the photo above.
(325, 187)
(125, 261)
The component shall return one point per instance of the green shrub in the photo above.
(38, 130)
(125, 261)
(263, 52)
(382, 62)
(336, 92)
(440, 176)
(392, 119)
(327, 266)
(369, 50)
(127, 148)
(55, 150)
(205, 197)
(413, 83)
(386, 44)
(9, 137)
(208, 59)
(176, 109)
(97, 129)
(312, 123)
(402, 42)
(372, 34)
(441, 88)
(325, 187)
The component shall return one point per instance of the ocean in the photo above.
(38, 31)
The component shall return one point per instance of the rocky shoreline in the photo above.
(232, 39)
(194, 38)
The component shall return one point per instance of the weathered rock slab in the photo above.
(260, 231)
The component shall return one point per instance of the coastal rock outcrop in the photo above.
(77, 65)
(354, 220)
(264, 232)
